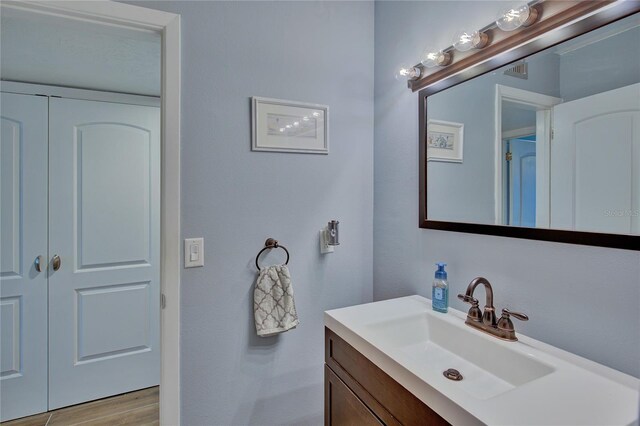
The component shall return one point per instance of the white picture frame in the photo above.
(287, 126)
(445, 141)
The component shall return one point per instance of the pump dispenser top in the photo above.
(441, 274)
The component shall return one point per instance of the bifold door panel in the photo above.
(104, 318)
(23, 237)
(81, 188)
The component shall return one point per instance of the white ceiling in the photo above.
(54, 50)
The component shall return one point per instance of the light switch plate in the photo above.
(193, 252)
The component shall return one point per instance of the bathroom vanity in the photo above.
(385, 364)
(359, 392)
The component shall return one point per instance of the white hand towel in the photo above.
(273, 306)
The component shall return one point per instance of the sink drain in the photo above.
(452, 374)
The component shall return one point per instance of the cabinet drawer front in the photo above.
(342, 407)
(375, 387)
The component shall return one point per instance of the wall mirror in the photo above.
(542, 145)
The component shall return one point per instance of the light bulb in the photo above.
(432, 58)
(516, 17)
(406, 72)
(463, 40)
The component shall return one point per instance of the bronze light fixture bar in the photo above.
(545, 16)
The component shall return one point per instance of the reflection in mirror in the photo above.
(551, 141)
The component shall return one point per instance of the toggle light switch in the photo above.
(193, 252)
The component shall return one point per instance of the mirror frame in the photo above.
(532, 44)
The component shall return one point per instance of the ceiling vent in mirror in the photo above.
(519, 69)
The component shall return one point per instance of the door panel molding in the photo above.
(109, 155)
(11, 216)
(132, 326)
(11, 314)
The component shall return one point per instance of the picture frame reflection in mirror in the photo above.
(444, 141)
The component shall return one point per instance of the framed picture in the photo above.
(444, 141)
(287, 126)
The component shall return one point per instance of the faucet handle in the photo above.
(468, 299)
(474, 314)
(516, 315)
(505, 323)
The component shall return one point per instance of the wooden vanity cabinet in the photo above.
(357, 392)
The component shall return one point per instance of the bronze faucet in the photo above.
(486, 321)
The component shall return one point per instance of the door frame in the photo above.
(543, 105)
(168, 25)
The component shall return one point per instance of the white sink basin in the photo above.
(524, 382)
(432, 343)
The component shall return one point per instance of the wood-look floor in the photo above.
(134, 408)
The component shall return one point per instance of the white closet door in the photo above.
(104, 300)
(595, 163)
(23, 237)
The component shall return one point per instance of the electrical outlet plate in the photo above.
(193, 252)
(324, 246)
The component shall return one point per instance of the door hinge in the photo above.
(553, 133)
(163, 301)
(508, 156)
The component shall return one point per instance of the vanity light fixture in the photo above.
(432, 58)
(406, 72)
(467, 40)
(518, 16)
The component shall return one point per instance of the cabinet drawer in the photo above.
(342, 406)
(389, 400)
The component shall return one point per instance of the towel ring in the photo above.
(271, 244)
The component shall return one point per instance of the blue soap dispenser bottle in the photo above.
(440, 290)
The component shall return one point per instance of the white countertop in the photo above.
(572, 391)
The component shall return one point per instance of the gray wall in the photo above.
(583, 299)
(515, 117)
(54, 50)
(305, 51)
(600, 67)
